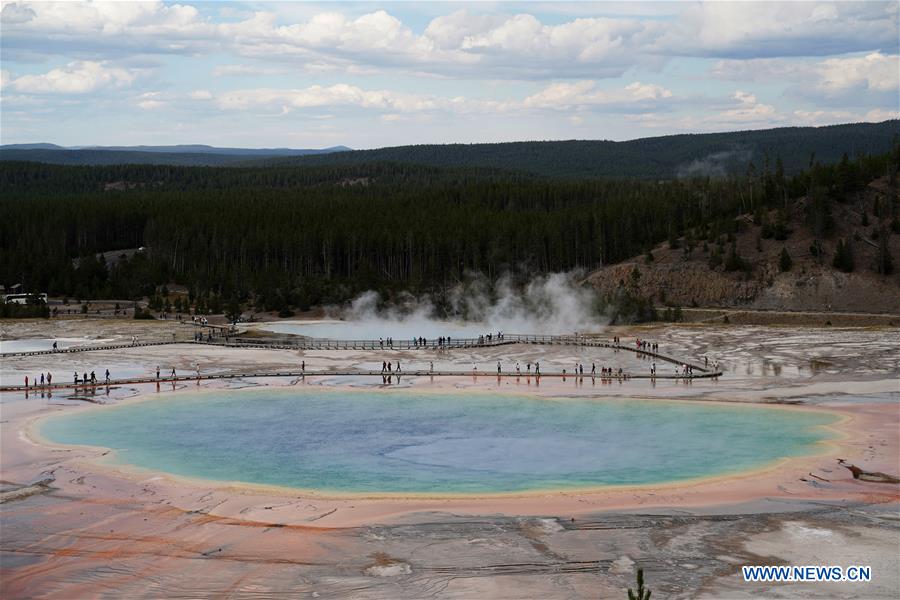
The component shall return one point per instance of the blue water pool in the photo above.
(409, 442)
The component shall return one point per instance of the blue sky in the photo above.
(368, 74)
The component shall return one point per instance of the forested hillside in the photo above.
(673, 156)
(307, 236)
(667, 157)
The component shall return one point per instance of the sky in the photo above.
(373, 74)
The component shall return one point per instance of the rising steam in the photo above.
(555, 303)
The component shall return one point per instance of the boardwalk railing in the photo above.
(450, 343)
(93, 386)
(303, 343)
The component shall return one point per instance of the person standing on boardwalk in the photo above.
(107, 376)
(49, 378)
(498, 367)
(26, 381)
(42, 380)
(157, 371)
(398, 362)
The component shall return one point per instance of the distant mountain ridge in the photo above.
(184, 155)
(665, 157)
(183, 149)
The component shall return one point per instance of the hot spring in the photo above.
(442, 443)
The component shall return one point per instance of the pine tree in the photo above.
(784, 261)
(884, 262)
(843, 256)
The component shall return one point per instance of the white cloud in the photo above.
(240, 70)
(128, 21)
(756, 29)
(831, 117)
(150, 101)
(564, 96)
(79, 77)
(872, 79)
(749, 110)
(318, 96)
(743, 110)
(876, 71)
(461, 43)
(876, 115)
(150, 104)
(200, 95)
(561, 96)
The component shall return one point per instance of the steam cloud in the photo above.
(554, 303)
(718, 164)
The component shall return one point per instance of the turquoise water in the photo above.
(437, 443)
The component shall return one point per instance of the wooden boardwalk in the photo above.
(368, 345)
(303, 374)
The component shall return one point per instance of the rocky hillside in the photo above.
(748, 269)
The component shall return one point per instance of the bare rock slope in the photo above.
(689, 276)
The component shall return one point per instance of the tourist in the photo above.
(76, 378)
(107, 375)
(398, 366)
(49, 378)
(157, 371)
(26, 381)
(518, 371)
(431, 367)
(173, 373)
(498, 367)
(303, 366)
(537, 368)
(54, 346)
(93, 378)
(383, 366)
(42, 380)
(593, 369)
